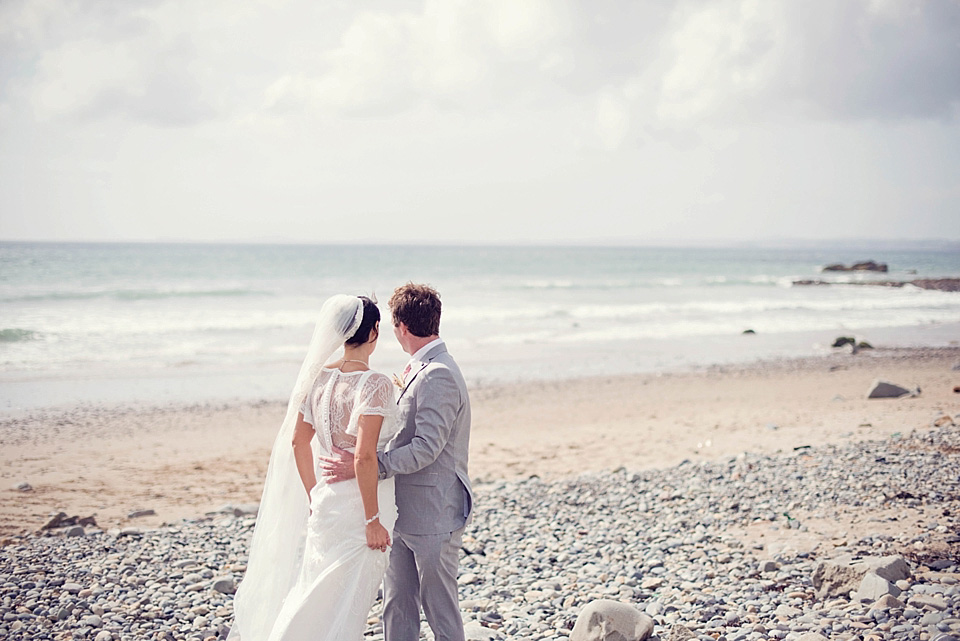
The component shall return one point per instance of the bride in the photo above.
(319, 550)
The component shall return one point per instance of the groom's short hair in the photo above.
(417, 307)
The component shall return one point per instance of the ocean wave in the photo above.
(767, 279)
(757, 280)
(15, 335)
(884, 301)
(730, 328)
(135, 295)
(200, 293)
(552, 284)
(595, 285)
(658, 282)
(759, 306)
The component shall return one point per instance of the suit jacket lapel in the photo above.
(432, 354)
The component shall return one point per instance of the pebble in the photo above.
(225, 585)
(537, 552)
(93, 621)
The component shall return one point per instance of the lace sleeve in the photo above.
(375, 398)
(305, 410)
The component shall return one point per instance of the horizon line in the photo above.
(760, 243)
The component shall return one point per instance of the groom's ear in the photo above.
(403, 332)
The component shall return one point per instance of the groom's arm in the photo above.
(437, 399)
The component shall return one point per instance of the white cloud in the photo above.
(525, 29)
(613, 120)
(725, 53)
(515, 115)
(130, 79)
(77, 75)
(163, 62)
(369, 71)
(748, 60)
(452, 52)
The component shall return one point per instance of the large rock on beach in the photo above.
(606, 620)
(843, 574)
(57, 520)
(851, 343)
(873, 587)
(885, 389)
(61, 520)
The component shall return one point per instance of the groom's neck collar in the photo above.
(423, 345)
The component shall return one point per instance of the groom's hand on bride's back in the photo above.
(337, 468)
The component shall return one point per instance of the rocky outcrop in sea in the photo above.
(864, 266)
(705, 550)
(938, 284)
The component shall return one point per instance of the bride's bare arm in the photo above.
(365, 465)
(303, 454)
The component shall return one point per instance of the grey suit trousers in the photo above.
(423, 571)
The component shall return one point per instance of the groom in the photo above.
(428, 459)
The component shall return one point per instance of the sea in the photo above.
(145, 323)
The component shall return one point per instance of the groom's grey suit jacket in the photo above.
(428, 456)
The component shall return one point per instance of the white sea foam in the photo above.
(127, 310)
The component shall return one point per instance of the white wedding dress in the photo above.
(310, 575)
(339, 575)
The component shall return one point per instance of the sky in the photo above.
(488, 121)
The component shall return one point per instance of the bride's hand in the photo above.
(377, 536)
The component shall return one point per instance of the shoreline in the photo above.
(488, 365)
(183, 461)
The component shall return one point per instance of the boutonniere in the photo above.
(398, 381)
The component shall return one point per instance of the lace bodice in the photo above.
(342, 398)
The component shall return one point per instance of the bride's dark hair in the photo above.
(371, 315)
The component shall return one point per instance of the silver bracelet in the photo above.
(372, 519)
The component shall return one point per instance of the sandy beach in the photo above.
(182, 462)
